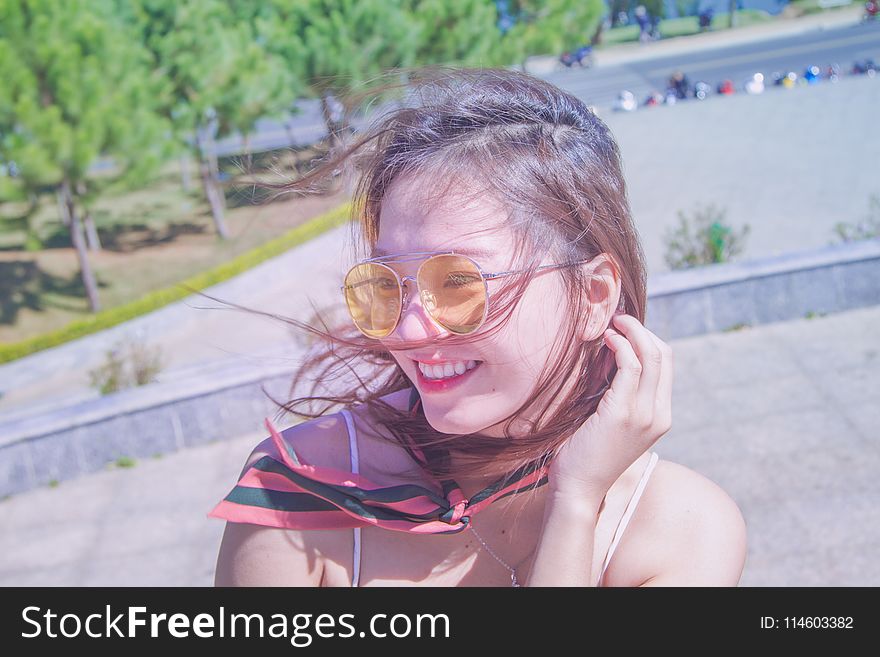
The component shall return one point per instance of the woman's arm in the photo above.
(691, 533)
(632, 415)
(687, 531)
(256, 555)
(565, 550)
(253, 555)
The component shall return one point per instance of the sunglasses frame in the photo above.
(403, 290)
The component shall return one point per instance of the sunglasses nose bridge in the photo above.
(406, 297)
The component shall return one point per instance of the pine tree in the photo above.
(336, 46)
(220, 77)
(76, 86)
(551, 26)
(464, 33)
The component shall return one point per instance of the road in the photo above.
(600, 86)
(844, 45)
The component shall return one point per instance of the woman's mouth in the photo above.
(436, 378)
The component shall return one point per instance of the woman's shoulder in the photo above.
(254, 554)
(258, 554)
(685, 531)
(324, 441)
(318, 441)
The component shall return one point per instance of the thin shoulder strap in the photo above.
(628, 512)
(353, 450)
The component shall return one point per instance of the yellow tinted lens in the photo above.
(373, 297)
(453, 292)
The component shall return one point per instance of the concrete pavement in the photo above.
(784, 417)
(625, 53)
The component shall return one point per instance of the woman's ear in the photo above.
(603, 295)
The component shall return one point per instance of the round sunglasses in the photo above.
(452, 288)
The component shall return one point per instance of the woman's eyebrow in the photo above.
(466, 250)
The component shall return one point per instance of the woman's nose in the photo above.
(415, 323)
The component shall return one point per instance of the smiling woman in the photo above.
(515, 392)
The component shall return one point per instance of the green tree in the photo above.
(220, 77)
(463, 32)
(551, 26)
(656, 8)
(76, 86)
(335, 46)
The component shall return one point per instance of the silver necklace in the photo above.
(513, 581)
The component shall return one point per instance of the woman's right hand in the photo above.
(632, 415)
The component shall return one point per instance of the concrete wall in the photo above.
(164, 417)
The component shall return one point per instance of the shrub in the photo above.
(126, 366)
(703, 239)
(867, 229)
(109, 376)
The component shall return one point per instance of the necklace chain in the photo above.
(513, 581)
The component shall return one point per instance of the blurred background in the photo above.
(131, 132)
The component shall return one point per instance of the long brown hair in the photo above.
(555, 167)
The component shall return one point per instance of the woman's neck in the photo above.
(470, 486)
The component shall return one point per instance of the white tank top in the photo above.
(618, 533)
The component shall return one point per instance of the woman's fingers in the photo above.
(663, 407)
(625, 384)
(649, 356)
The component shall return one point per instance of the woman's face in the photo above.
(510, 360)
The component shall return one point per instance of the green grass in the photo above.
(741, 326)
(151, 207)
(805, 7)
(674, 27)
(163, 296)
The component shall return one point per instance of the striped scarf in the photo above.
(292, 494)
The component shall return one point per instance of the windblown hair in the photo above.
(555, 168)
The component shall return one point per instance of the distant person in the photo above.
(644, 22)
(705, 18)
(680, 85)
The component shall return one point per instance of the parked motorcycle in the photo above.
(654, 98)
(786, 80)
(701, 90)
(813, 74)
(726, 88)
(832, 72)
(755, 84)
(865, 67)
(582, 57)
(625, 102)
(655, 29)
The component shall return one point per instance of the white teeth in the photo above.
(447, 370)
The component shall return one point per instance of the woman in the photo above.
(504, 435)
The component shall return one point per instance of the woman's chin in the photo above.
(458, 420)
